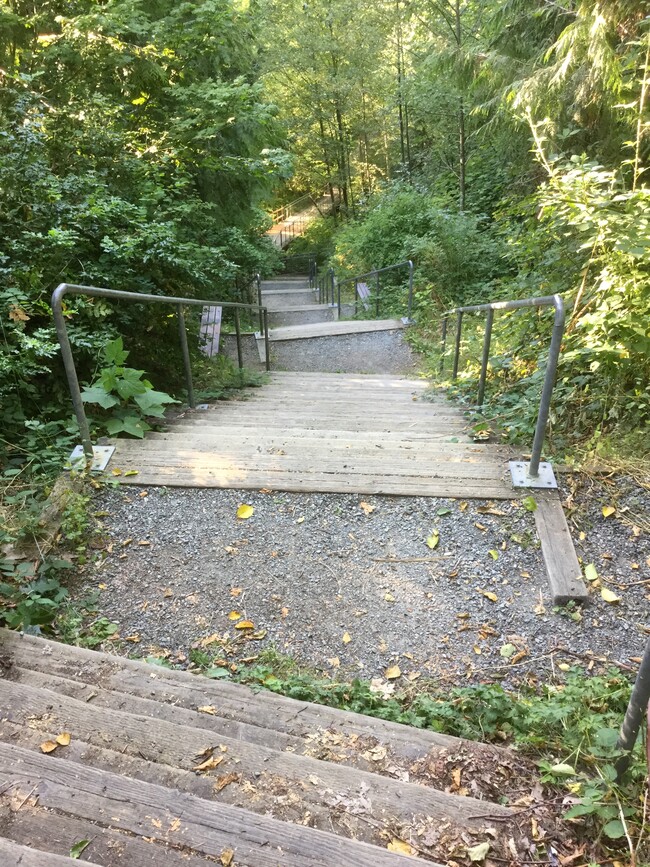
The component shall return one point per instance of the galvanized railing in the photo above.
(95, 292)
(554, 301)
(301, 263)
(326, 287)
(375, 275)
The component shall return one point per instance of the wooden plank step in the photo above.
(308, 441)
(13, 854)
(366, 485)
(159, 814)
(187, 457)
(232, 702)
(380, 439)
(180, 747)
(334, 329)
(560, 558)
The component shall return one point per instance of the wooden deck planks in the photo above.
(323, 432)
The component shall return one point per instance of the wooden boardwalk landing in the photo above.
(343, 433)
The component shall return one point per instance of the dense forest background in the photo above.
(503, 146)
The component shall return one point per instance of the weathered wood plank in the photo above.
(151, 811)
(14, 855)
(178, 746)
(560, 558)
(37, 827)
(266, 710)
(334, 329)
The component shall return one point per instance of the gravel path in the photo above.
(313, 573)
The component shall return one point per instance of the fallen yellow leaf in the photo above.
(489, 595)
(244, 511)
(207, 708)
(226, 857)
(235, 591)
(116, 471)
(234, 615)
(131, 472)
(609, 595)
(245, 624)
(346, 638)
(209, 764)
(608, 510)
(434, 538)
(334, 661)
(366, 508)
(393, 672)
(462, 506)
(48, 746)
(389, 597)
(397, 845)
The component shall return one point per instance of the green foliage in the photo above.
(30, 597)
(135, 148)
(124, 394)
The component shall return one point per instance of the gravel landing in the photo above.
(348, 584)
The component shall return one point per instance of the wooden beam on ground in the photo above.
(560, 558)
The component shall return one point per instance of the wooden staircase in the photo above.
(322, 432)
(163, 767)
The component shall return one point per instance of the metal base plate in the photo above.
(101, 457)
(521, 479)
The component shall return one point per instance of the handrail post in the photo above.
(410, 302)
(459, 326)
(331, 275)
(182, 333)
(259, 299)
(71, 371)
(487, 339)
(377, 288)
(636, 710)
(240, 359)
(547, 389)
(356, 295)
(266, 338)
(338, 296)
(443, 348)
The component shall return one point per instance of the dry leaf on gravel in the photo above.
(488, 594)
(236, 591)
(48, 746)
(478, 853)
(609, 596)
(207, 708)
(366, 508)
(235, 615)
(63, 739)
(347, 638)
(244, 512)
(433, 539)
(393, 672)
(245, 624)
(608, 510)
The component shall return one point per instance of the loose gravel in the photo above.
(348, 584)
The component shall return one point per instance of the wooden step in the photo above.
(163, 816)
(13, 854)
(292, 783)
(335, 329)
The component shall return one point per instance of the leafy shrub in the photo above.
(125, 394)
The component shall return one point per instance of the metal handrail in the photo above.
(375, 273)
(97, 292)
(551, 365)
(326, 287)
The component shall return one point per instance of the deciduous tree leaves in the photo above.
(245, 511)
